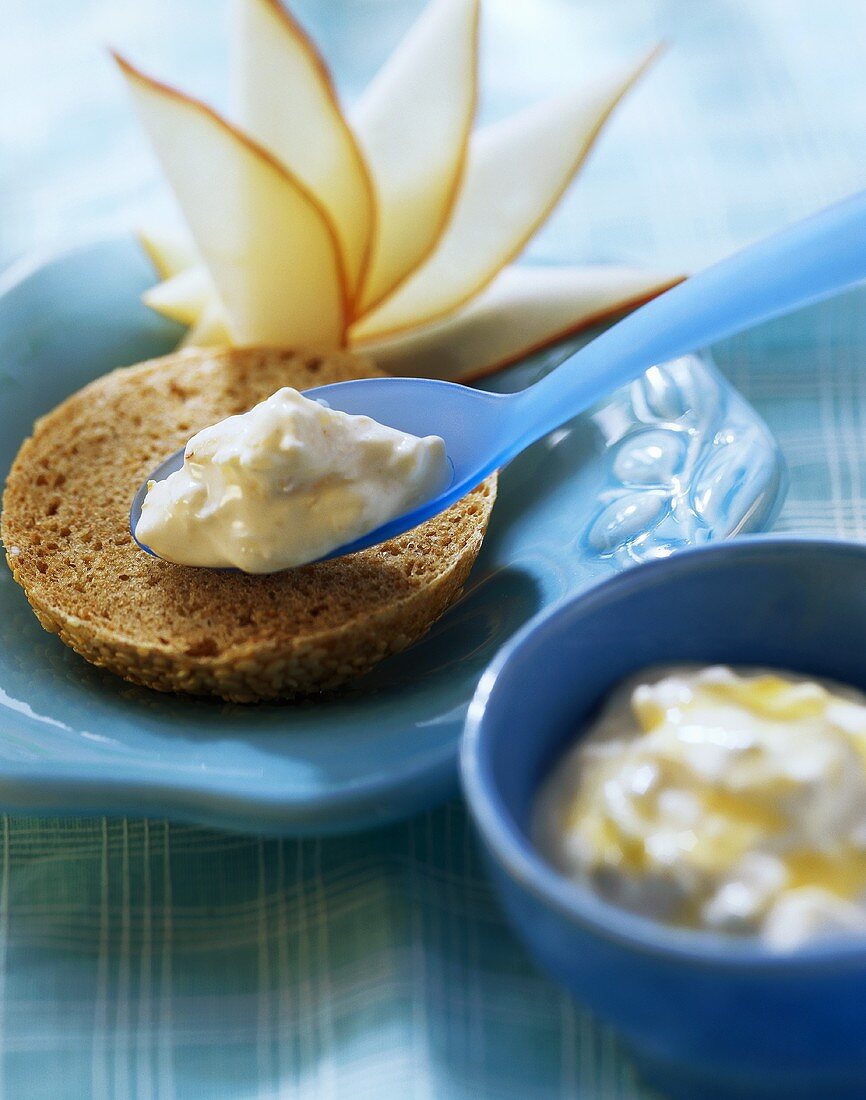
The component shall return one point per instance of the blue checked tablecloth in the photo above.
(145, 959)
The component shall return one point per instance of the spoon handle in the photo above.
(803, 263)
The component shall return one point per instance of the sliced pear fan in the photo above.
(268, 245)
(284, 99)
(517, 171)
(523, 309)
(413, 123)
(399, 228)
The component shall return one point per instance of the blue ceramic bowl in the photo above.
(704, 1015)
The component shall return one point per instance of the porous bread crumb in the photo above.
(202, 631)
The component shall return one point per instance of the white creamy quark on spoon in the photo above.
(285, 484)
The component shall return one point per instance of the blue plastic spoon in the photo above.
(803, 263)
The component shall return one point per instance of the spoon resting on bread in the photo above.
(803, 263)
(220, 632)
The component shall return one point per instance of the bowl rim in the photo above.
(525, 865)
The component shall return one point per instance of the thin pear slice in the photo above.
(413, 123)
(182, 297)
(268, 245)
(524, 309)
(210, 330)
(285, 100)
(517, 171)
(170, 253)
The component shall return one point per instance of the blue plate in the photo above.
(676, 459)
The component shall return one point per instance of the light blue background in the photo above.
(147, 960)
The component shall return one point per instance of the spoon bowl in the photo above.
(804, 263)
(470, 421)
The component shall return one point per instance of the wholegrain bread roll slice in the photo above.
(65, 528)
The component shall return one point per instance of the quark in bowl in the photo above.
(731, 801)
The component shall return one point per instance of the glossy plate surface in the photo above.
(675, 459)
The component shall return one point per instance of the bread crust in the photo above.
(65, 529)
